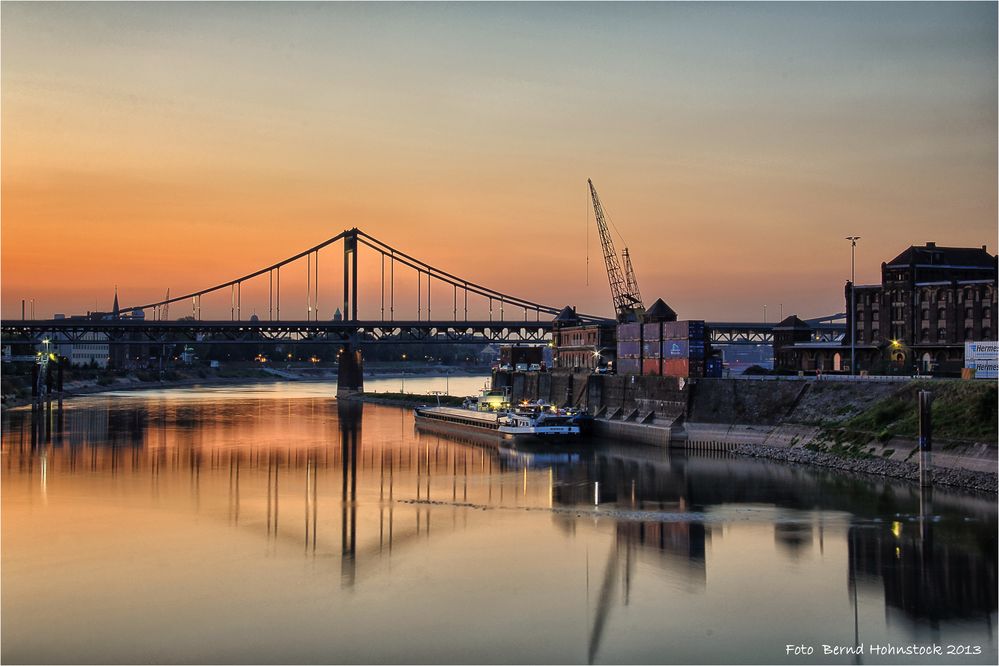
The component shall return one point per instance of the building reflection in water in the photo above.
(930, 572)
(272, 458)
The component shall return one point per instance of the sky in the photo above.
(734, 146)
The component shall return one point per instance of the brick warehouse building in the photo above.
(931, 301)
(579, 346)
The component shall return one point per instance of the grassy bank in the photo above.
(961, 411)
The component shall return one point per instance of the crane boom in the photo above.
(631, 282)
(625, 303)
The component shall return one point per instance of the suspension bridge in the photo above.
(405, 300)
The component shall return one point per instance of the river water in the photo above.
(270, 524)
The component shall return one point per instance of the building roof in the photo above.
(659, 311)
(792, 323)
(567, 315)
(944, 257)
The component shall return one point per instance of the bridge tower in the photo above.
(350, 275)
(350, 375)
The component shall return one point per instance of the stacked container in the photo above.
(629, 349)
(683, 349)
(652, 348)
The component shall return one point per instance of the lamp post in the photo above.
(852, 319)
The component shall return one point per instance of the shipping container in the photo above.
(675, 330)
(652, 349)
(683, 330)
(513, 356)
(629, 332)
(629, 366)
(651, 366)
(675, 349)
(629, 349)
(651, 332)
(676, 367)
(713, 367)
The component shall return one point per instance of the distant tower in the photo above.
(118, 356)
(337, 316)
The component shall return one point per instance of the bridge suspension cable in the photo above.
(425, 273)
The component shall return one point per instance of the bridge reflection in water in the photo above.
(354, 484)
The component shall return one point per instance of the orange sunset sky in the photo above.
(179, 145)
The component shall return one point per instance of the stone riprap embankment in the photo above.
(964, 478)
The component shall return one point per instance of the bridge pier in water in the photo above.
(350, 373)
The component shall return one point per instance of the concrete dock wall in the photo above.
(647, 398)
(723, 414)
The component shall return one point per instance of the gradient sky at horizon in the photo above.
(155, 145)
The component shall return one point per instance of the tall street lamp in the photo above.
(852, 319)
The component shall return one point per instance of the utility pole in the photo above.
(852, 317)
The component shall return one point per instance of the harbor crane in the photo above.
(631, 282)
(623, 284)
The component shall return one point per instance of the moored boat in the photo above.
(497, 420)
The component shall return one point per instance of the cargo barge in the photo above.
(497, 426)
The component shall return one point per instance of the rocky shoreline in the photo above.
(962, 478)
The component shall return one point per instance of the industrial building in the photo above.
(930, 302)
(578, 346)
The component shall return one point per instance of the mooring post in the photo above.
(925, 438)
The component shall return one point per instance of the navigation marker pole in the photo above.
(925, 439)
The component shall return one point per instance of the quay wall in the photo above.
(611, 396)
(704, 400)
(733, 414)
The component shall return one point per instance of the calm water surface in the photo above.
(270, 524)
